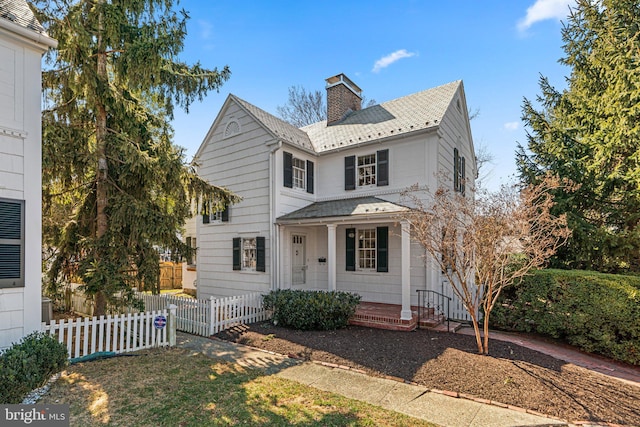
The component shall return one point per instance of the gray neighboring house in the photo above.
(23, 41)
(320, 204)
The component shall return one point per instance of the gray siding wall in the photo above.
(241, 163)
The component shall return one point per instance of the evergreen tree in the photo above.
(589, 133)
(115, 187)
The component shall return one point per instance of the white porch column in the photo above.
(331, 256)
(280, 260)
(405, 314)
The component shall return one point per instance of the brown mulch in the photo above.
(512, 374)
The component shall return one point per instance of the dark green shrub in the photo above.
(311, 310)
(599, 313)
(29, 365)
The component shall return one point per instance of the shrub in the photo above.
(29, 365)
(311, 310)
(599, 313)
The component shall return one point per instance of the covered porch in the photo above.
(360, 245)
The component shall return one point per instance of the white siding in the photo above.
(20, 176)
(240, 163)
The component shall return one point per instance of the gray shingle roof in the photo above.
(419, 111)
(360, 206)
(19, 12)
(277, 126)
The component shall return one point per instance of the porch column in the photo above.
(331, 256)
(279, 276)
(405, 314)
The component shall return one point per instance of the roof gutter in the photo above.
(39, 39)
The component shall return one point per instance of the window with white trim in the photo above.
(366, 170)
(367, 249)
(249, 254)
(299, 173)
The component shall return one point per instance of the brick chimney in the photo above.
(343, 96)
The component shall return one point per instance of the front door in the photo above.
(298, 260)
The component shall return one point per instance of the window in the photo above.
(11, 243)
(459, 173)
(191, 244)
(366, 170)
(215, 217)
(297, 173)
(367, 249)
(249, 254)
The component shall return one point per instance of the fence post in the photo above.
(172, 323)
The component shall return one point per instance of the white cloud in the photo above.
(510, 126)
(385, 61)
(542, 10)
(206, 29)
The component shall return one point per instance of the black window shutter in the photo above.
(225, 214)
(383, 168)
(260, 254)
(205, 214)
(309, 176)
(350, 173)
(237, 248)
(12, 246)
(288, 169)
(382, 243)
(456, 161)
(351, 249)
(463, 176)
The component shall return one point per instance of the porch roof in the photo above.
(356, 207)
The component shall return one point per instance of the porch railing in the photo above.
(433, 305)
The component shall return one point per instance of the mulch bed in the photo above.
(512, 374)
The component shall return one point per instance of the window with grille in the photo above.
(367, 249)
(299, 173)
(366, 170)
(249, 258)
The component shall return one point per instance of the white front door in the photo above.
(298, 260)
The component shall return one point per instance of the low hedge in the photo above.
(599, 313)
(28, 365)
(311, 310)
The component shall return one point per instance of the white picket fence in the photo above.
(209, 316)
(118, 334)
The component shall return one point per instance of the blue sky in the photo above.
(388, 48)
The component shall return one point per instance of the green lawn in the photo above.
(173, 387)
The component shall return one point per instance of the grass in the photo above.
(173, 387)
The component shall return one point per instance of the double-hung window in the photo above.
(249, 253)
(459, 173)
(366, 170)
(297, 173)
(11, 243)
(367, 249)
(216, 216)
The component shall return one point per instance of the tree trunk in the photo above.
(486, 332)
(476, 329)
(101, 158)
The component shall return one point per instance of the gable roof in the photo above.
(421, 111)
(19, 13)
(359, 206)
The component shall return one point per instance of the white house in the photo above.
(22, 43)
(320, 205)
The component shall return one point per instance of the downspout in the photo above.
(275, 238)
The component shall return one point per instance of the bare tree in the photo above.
(304, 108)
(484, 244)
